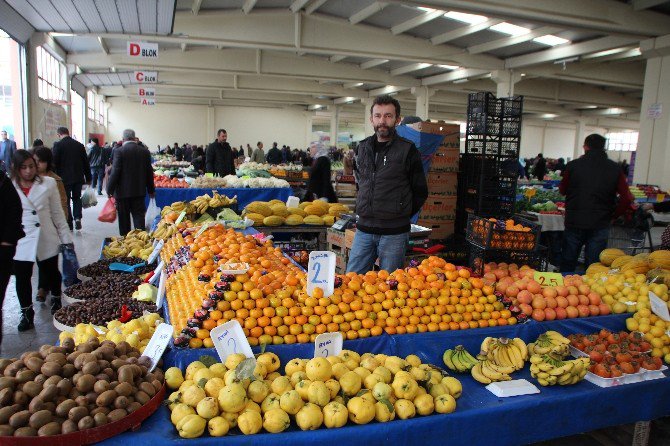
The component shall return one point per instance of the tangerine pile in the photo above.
(271, 303)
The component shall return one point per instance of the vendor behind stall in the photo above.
(319, 185)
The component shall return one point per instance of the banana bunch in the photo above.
(505, 352)
(136, 243)
(459, 359)
(178, 207)
(487, 371)
(550, 369)
(204, 202)
(550, 341)
(164, 230)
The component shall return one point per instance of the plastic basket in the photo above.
(479, 257)
(486, 234)
(487, 206)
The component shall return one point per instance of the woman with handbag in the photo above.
(46, 230)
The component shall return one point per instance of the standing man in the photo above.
(540, 167)
(130, 180)
(7, 149)
(274, 155)
(72, 166)
(219, 156)
(259, 155)
(96, 161)
(392, 188)
(591, 184)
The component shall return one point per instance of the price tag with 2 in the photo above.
(328, 344)
(321, 272)
(659, 307)
(157, 344)
(229, 338)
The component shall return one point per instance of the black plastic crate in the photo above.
(512, 107)
(484, 124)
(484, 102)
(473, 166)
(479, 257)
(489, 206)
(489, 235)
(511, 127)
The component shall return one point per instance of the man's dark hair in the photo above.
(386, 99)
(221, 131)
(62, 131)
(38, 142)
(595, 142)
(45, 155)
(94, 141)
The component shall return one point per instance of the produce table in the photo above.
(319, 230)
(480, 417)
(166, 196)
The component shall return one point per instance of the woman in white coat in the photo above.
(46, 230)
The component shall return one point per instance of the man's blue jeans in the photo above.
(367, 247)
(573, 240)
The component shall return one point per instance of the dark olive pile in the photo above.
(108, 286)
(101, 267)
(60, 390)
(101, 311)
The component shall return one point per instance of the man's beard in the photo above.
(383, 131)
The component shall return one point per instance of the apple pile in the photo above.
(572, 299)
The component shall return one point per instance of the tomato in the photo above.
(645, 346)
(601, 370)
(623, 335)
(602, 348)
(579, 345)
(613, 338)
(604, 334)
(627, 367)
(609, 359)
(616, 371)
(596, 356)
(623, 358)
(636, 366)
(614, 348)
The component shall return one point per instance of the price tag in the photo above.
(530, 193)
(209, 175)
(548, 279)
(321, 272)
(157, 344)
(328, 344)
(229, 338)
(660, 198)
(155, 252)
(157, 273)
(659, 307)
(155, 242)
(180, 218)
(203, 228)
(160, 296)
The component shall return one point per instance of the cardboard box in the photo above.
(345, 190)
(445, 159)
(334, 237)
(442, 183)
(441, 229)
(341, 263)
(437, 128)
(349, 238)
(438, 208)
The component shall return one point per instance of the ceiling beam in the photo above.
(639, 5)
(606, 16)
(409, 68)
(196, 6)
(512, 40)
(463, 31)
(345, 100)
(103, 45)
(366, 12)
(337, 58)
(316, 4)
(386, 90)
(628, 75)
(297, 5)
(248, 6)
(568, 51)
(373, 63)
(416, 21)
(462, 73)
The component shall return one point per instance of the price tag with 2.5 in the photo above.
(548, 279)
(229, 338)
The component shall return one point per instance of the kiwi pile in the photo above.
(59, 390)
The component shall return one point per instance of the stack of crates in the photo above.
(489, 167)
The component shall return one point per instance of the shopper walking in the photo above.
(274, 155)
(540, 169)
(7, 149)
(258, 156)
(392, 188)
(591, 184)
(319, 185)
(130, 180)
(95, 160)
(10, 233)
(219, 156)
(46, 230)
(71, 164)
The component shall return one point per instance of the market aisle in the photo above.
(87, 244)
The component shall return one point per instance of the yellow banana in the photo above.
(478, 375)
(523, 348)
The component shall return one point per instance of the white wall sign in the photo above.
(145, 101)
(655, 110)
(146, 92)
(145, 50)
(146, 77)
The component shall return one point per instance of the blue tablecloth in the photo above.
(480, 417)
(166, 196)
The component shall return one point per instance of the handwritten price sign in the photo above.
(321, 272)
(328, 344)
(157, 344)
(229, 338)
(548, 279)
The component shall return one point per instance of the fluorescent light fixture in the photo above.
(449, 67)
(358, 84)
(523, 75)
(471, 19)
(423, 65)
(509, 29)
(548, 116)
(62, 34)
(605, 53)
(3, 34)
(551, 40)
(589, 106)
(460, 81)
(425, 9)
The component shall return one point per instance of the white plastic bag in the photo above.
(88, 198)
(152, 213)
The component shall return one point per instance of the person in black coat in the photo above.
(71, 163)
(11, 231)
(540, 167)
(130, 180)
(219, 156)
(319, 184)
(198, 161)
(274, 155)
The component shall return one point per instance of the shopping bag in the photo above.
(88, 198)
(152, 213)
(70, 265)
(108, 212)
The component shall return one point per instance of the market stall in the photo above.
(165, 197)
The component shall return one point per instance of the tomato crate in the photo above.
(524, 235)
(479, 257)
